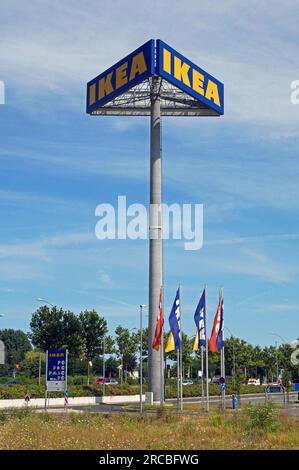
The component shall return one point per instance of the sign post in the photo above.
(56, 371)
(2, 353)
(155, 241)
(155, 80)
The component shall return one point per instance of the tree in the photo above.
(30, 364)
(187, 346)
(16, 345)
(127, 347)
(93, 330)
(56, 328)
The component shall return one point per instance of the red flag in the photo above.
(217, 328)
(159, 326)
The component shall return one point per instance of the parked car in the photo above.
(106, 381)
(215, 379)
(253, 381)
(187, 382)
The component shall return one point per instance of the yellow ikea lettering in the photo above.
(121, 77)
(166, 61)
(92, 93)
(181, 70)
(212, 92)
(197, 82)
(138, 65)
(105, 86)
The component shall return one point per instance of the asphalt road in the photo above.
(293, 406)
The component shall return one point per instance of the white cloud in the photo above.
(105, 278)
(57, 47)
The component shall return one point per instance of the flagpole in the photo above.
(207, 357)
(202, 377)
(162, 354)
(222, 357)
(181, 353)
(162, 369)
(178, 378)
(223, 349)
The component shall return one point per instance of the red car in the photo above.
(106, 381)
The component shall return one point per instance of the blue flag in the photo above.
(175, 320)
(200, 319)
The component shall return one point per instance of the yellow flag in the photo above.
(170, 346)
(195, 344)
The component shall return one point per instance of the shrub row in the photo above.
(36, 391)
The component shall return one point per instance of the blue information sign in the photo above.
(56, 369)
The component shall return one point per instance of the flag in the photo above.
(174, 338)
(200, 322)
(216, 340)
(159, 325)
(170, 346)
(195, 344)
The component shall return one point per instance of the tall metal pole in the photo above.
(202, 376)
(39, 367)
(207, 355)
(140, 370)
(181, 353)
(155, 242)
(104, 365)
(277, 372)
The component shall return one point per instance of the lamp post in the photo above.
(40, 353)
(141, 306)
(276, 349)
(104, 365)
(2, 347)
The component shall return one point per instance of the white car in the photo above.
(254, 382)
(187, 382)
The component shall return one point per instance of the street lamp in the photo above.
(104, 364)
(283, 341)
(141, 306)
(40, 353)
(45, 301)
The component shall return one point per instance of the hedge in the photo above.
(38, 391)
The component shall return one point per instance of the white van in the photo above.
(254, 382)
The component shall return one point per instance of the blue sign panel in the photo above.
(122, 76)
(296, 387)
(274, 389)
(187, 76)
(56, 365)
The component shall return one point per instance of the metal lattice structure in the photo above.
(137, 102)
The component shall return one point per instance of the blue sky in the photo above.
(57, 163)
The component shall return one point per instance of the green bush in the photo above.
(77, 388)
(77, 380)
(262, 416)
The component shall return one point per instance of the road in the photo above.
(293, 406)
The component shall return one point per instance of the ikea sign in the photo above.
(122, 76)
(187, 76)
(155, 58)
